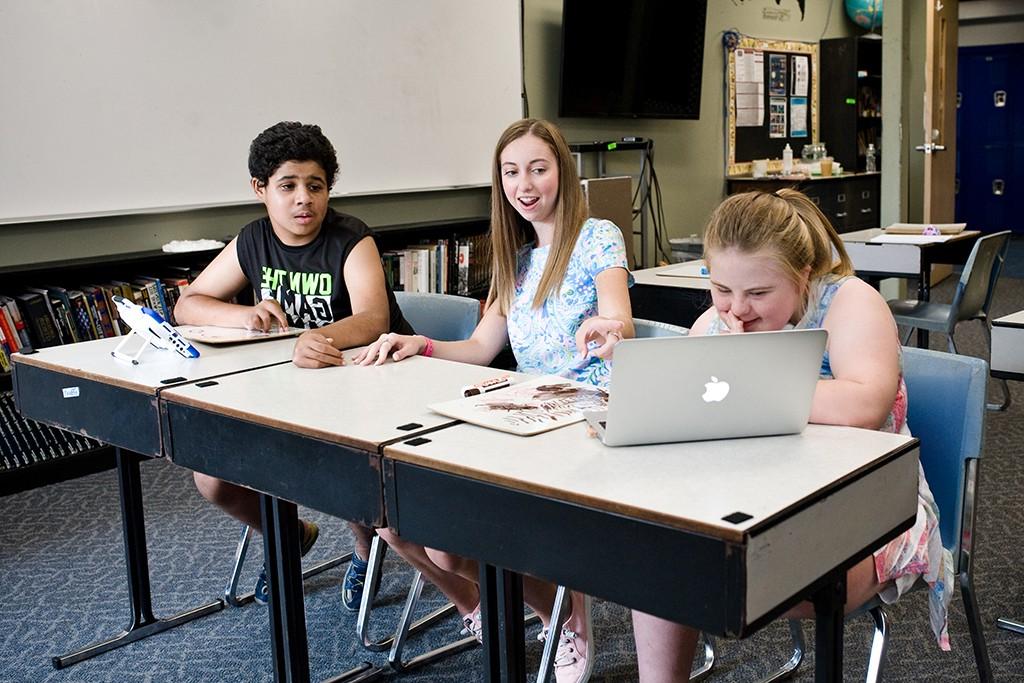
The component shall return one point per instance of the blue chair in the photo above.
(946, 395)
(971, 301)
(443, 317)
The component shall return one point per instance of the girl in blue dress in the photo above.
(559, 295)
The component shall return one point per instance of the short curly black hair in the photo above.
(291, 141)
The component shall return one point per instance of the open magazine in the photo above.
(531, 407)
(213, 334)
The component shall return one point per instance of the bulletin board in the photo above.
(771, 100)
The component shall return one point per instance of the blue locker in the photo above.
(990, 137)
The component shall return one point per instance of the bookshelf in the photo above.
(455, 253)
(851, 107)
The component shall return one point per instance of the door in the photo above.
(939, 134)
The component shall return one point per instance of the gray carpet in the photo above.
(62, 585)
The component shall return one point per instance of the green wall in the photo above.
(689, 154)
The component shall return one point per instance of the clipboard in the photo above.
(216, 335)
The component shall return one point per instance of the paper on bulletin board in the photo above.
(777, 74)
(749, 88)
(777, 117)
(801, 70)
(798, 117)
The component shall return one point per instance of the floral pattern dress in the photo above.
(544, 339)
(917, 552)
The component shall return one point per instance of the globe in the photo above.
(865, 13)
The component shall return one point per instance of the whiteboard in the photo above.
(125, 106)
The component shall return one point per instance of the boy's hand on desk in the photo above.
(605, 332)
(262, 316)
(314, 350)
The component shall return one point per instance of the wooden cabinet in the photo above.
(850, 201)
(851, 103)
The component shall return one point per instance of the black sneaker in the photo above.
(309, 533)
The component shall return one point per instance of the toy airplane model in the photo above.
(153, 329)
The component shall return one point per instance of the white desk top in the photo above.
(661, 276)
(354, 405)
(1011, 320)
(92, 360)
(871, 233)
(665, 483)
(798, 490)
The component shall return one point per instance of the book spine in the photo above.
(115, 321)
(156, 296)
(41, 325)
(463, 266)
(80, 314)
(104, 312)
(63, 309)
(19, 323)
(423, 284)
(57, 308)
(94, 316)
(7, 335)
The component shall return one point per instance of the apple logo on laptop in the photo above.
(715, 390)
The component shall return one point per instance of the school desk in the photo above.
(309, 437)
(721, 535)
(82, 388)
(669, 294)
(912, 258)
(1008, 347)
(1008, 363)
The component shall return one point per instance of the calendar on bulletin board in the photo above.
(772, 99)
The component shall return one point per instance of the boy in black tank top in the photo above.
(308, 266)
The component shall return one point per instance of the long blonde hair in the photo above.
(510, 231)
(786, 224)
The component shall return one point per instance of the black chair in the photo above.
(971, 301)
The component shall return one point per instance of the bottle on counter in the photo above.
(870, 165)
(787, 160)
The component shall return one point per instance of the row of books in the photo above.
(39, 317)
(450, 266)
(24, 443)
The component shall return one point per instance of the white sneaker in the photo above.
(574, 658)
(472, 624)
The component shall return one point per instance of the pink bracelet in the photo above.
(428, 350)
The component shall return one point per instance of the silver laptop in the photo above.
(667, 389)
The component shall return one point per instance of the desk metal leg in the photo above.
(281, 552)
(284, 578)
(501, 606)
(1010, 625)
(828, 635)
(136, 558)
(924, 294)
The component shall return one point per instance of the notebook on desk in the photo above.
(668, 389)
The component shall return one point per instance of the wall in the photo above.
(991, 22)
(689, 154)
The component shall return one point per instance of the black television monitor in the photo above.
(632, 58)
